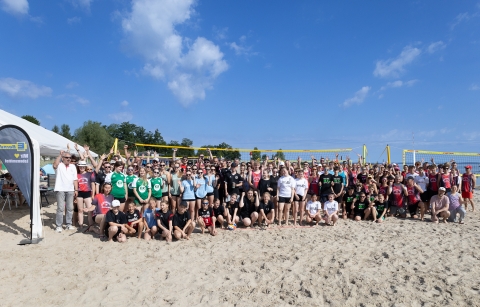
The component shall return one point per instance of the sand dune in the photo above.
(399, 263)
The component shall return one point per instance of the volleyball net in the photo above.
(306, 155)
(462, 159)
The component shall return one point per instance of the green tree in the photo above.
(94, 135)
(56, 129)
(185, 152)
(255, 154)
(31, 119)
(65, 131)
(280, 155)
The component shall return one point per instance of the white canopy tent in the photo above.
(44, 143)
(50, 143)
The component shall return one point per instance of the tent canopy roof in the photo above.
(50, 143)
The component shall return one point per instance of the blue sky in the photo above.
(271, 74)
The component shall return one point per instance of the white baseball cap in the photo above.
(115, 203)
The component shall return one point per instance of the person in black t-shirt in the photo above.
(182, 223)
(381, 207)
(248, 208)
(266, 213)
(116, 221)
(134, 220)
(231, 210)
(206, 218)
(233, 180)
(219, 212)
(359, 207)
(347, 201)
(337, 185)
(164, 221)
(325, 182)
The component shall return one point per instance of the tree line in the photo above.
(100, 138)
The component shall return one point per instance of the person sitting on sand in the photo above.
(266, 213)
(206, 218)
(330, 207)
(149, 219)
(165, 221)
(231, 209)
(218, 212)
(248, 208)
(182, 222)
(116, 221)
(134, 219)
(347, 201)
(101, 204)
(455, 206)
(439, 205)
(313, 210)
(380, 208)
(413, 198)
(359, 206)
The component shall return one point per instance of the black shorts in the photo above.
(188, 199)
(348, 208)
(121, 200)
(338, 199)
(298, 197)
(360, 214)
(285, 200)
(84, 194)
(211, 194)
(425, 196)
(413, 208)
(176, 195)
(119, 231)
(324, 197)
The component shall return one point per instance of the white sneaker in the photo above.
(58, 229)
(70, 227)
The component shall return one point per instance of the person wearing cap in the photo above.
(233, 180)
(439, 205)
(66, 188)
(116, 221)
(468, 184)
(182, 222)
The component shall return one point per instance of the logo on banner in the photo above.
(19, 146)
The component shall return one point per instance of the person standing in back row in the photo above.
(66, 188)
(468, 184)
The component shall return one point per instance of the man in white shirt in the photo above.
(422, 181)
(66, 187)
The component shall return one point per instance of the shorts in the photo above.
(84, 194)
(324, 197)
(157, 198)
(425, 196)
(298, 197)
(431, 193)
(134, 226)
(190, 199)
(211, 194)
(338, 199)
(119, 231)
(413, 208)
(468, 195)
(360, 214)
(121, 200)
(394, 210)
(378, 216)
(348, 208)
(176, 195)
(285, 200)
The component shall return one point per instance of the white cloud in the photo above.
(188, 66)
(121, 116)
(220, 34)
(463, 17)
(15, 7)
(124, 103)
(358, 98)
(83, 4)
(23, 88)
(393, 67)
(434, 47)
(474, 87)
(74, 20)
(72, 85)
(241, 48)
(75, 99)
(398, 83)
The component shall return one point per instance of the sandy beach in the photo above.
(398, 263)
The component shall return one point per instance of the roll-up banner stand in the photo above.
(17, 154)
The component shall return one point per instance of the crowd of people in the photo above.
(151, 197)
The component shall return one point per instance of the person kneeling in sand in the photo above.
(134, 219)
(331, 210)
(313, 210)
(266, 210)
(206, 218)
(231, 210)
(164, 221)
(116, 220)
(440, 204)
(455, 206)
(218, 211)
(149, 220)
(380, 208)
(182, 222)
(101, 205)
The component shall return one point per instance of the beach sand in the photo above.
(398, 263)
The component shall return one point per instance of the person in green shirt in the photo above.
(119, 185)
(130, 179)
(142, 188)
(157, 184)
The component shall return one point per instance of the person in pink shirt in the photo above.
(439, 204)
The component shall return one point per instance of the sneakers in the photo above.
(58, 229)
(70, 227)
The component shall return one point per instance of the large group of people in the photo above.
(152, 197)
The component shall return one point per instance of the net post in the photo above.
(389, 161)
(404, 156)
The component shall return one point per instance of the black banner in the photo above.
(16, 152)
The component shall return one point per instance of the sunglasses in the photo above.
(130, 169)
(162, 164)
(107, 167)
(188, 174)
(156, 173)
(205, 203)
(67, 157)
